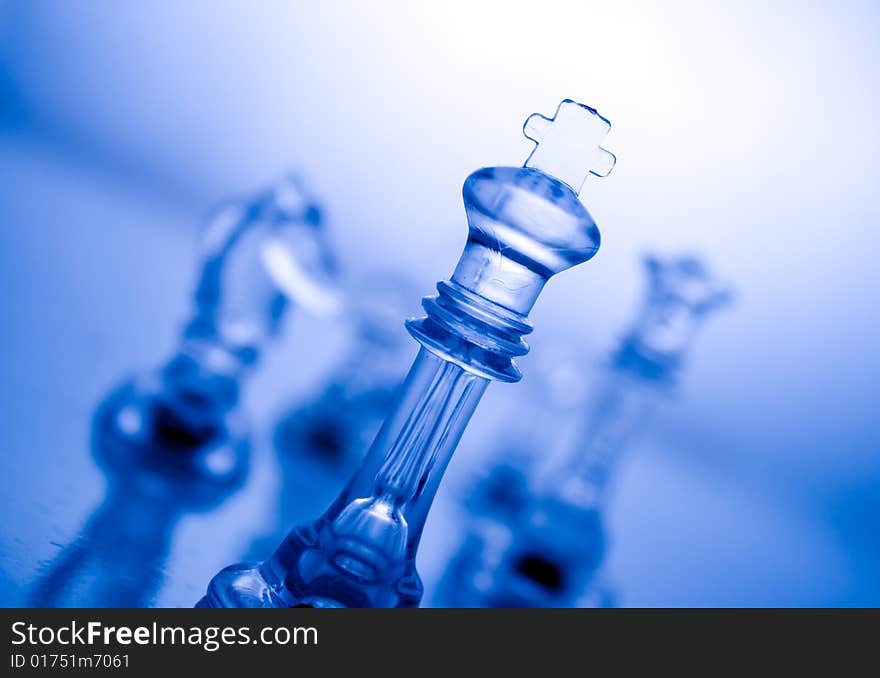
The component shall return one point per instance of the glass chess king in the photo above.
(526, 224)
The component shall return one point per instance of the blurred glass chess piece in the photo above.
(174, 441)
(340, 423)
(549, 551)
(322, 440)
(526, 224)
(544, 425)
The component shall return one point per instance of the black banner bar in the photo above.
(549, 642)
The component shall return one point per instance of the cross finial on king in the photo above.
(567, 146)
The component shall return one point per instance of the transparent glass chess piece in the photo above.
(551, 397)
(173, 441)
(323, 438)
(259, 258)
(526, 224)
(549, 554)
(339, 424)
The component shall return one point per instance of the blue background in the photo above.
(744, 131)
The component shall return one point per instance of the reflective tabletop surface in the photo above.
(98, 276)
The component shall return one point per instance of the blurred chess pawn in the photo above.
(338, 424)
(174, 441)
(320, 441)
(549, 552)
(547, 406)
(553, 395)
